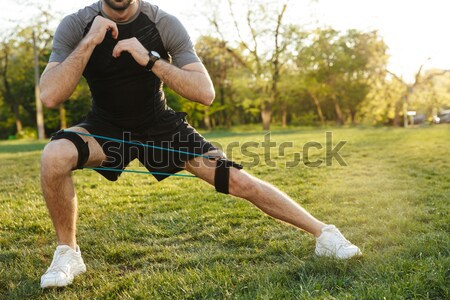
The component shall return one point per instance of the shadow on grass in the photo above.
(22, 147)
(31, 286)
(226, 134)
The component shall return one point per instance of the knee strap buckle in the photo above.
(222, 174)
(80, 144)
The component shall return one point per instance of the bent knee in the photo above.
(59, 156)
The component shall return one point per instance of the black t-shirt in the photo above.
(123, 92)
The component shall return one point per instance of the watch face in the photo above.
(154, 53)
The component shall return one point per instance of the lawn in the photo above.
(179, 239)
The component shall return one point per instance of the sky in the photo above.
(416, 31)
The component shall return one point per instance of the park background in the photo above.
(354, 68)
(272, 62)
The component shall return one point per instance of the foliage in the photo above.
(27, 133)
(339, 70)
(17, 84)
(262, 43)
(433, 95)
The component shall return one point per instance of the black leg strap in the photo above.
(80, 144)
(222, 176)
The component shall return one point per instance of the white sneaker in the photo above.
(332, 243)
(67, 263)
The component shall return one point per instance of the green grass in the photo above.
(179, 239)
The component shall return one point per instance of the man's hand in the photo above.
(135, 48)
(98, 30)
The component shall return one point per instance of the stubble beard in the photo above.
(119, 5)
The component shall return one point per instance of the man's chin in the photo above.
(119, 5)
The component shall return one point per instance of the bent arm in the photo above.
(191, 81)
(59, 80)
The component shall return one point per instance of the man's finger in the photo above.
(110, 25)
(114, 30)
(117, 50)
(120, 47)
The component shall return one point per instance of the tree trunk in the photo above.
(14, 105)
(207, 119)
(319, 109)
(223, 114)
(353, 116)
(398, 107)
(19, 126)
(406, 103)
(62, 116)
(39, 109)
(339, 114)
(266, 115)
(229, 123)
(284, 117)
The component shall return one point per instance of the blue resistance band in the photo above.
(141, 172)
(143, 145)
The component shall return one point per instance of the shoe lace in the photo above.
(343, 242)
(56, 265)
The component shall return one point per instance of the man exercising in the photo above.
(126, 49)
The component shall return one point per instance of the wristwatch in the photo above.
(154, 57)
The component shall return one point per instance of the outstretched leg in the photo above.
(330, 242)
(262, 194)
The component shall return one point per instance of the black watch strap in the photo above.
(154, 57)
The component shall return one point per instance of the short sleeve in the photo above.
(67, 36)
(177, 41)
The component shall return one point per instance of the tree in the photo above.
(220, 63)
(28, 44)
(339, 69)
(5, 72)
(379, 107)
(263, 22)
(409, 90)
(320, 67)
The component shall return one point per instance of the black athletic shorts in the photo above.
(171, 131)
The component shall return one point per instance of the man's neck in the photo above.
(123, 15)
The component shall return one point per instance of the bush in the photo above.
(307, 119)
(27, 133)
